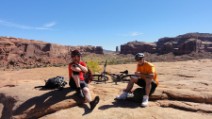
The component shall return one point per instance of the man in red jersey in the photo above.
(76, 79)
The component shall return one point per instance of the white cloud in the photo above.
(132, 34)
(135, 34)
(47, 26)
(50, 24)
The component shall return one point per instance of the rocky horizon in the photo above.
(179, 45)
(23, 53)
(17, 52)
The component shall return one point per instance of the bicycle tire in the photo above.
(100, 78)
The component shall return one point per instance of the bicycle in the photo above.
(102, 77)
(123, 76)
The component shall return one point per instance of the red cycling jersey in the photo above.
(81, 76)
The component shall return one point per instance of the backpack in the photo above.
(55, 82)
(88, 76)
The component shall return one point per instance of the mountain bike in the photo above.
(103, 76)
(123, 76)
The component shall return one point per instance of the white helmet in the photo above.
(138, 56)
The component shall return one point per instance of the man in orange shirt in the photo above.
(76, 79)
(145, 76)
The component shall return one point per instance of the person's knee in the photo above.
(148, 82)
(134, 80)
(75, 76)
(86, 90)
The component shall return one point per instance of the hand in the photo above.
(75, 65)
(138, 74)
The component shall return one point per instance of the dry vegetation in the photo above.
(126, 59)
(110, 58)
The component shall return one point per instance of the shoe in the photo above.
(130, 95)
(94, 102)
(122, 96)
(80, 93)
(145, 101)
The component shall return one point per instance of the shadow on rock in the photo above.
(8, 103)
(120, 103)
(47, 103)
(87, 110)
(129, 102)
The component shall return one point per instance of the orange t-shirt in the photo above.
(147, 68)
(81, 76)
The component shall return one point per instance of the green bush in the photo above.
(111, 59)
(93, 66)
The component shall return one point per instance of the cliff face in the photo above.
(185, 44)
(135, 47)
(182, 44)
(29, 53)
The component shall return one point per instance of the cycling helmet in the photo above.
(139, 56)
(75, 53)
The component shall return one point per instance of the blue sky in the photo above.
(107, 23)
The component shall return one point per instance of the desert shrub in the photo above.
(93, 66)
(111, 58)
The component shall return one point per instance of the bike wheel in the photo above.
(100, 78)
(116, 78)
(104, 78)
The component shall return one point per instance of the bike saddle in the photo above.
(124, 72)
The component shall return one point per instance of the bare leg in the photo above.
(88, 98)
(148, 86)
(129, 87)
(131, 84)
(76, 80)
(87, 94)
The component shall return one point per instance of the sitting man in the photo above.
(76, 70)
(145, 76)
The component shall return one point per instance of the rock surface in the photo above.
(184, 91)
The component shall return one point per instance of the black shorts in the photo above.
(72, 84)
(142, 83)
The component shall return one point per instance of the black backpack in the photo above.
(55, 82)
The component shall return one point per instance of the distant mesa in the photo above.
(23, 53)
(17, 52)
(136, 46)
(180, 45)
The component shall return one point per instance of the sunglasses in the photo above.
(75, 55)
(139, 59)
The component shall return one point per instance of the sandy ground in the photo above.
(194, 75)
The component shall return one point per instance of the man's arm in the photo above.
(144, 76)
(83, 68)
(79, 67)
(75, 68)
(148, 79)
